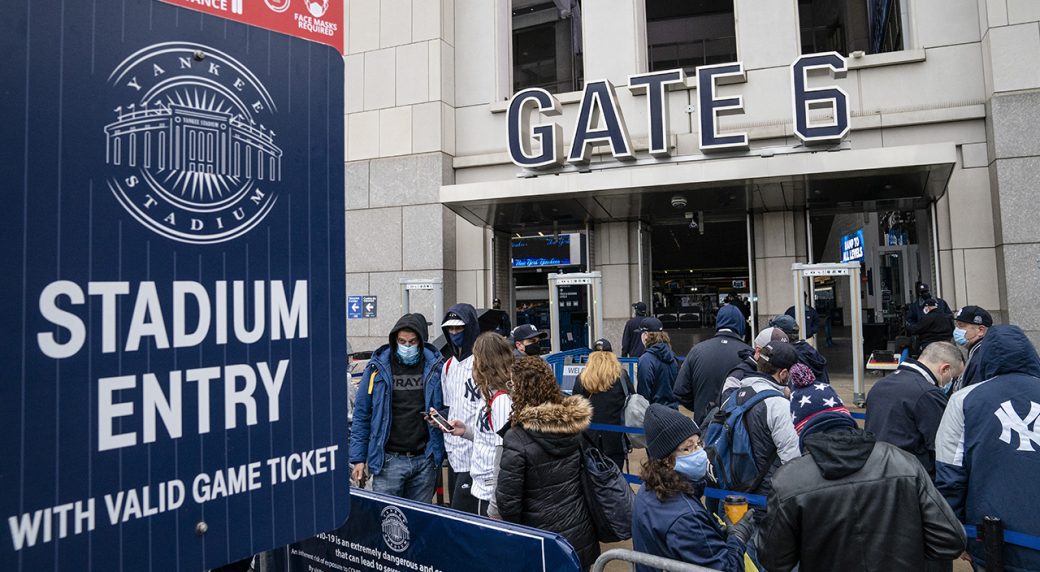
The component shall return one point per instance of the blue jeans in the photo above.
(411, 477)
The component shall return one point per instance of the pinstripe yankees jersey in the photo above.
(483, 466)
(463, 400)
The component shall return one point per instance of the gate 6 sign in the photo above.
(191, 152)
(172, 393)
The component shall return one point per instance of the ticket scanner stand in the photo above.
(433, 285)
(565, 289)
(851, 269)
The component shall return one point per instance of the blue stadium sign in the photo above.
(173, 392)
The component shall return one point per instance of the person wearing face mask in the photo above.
(851, 495)
(462, 398)
(526, 341)
(389, 437)
(668, 519)
(915, 311)
(658, 366)
(971, 324)
(905, 407)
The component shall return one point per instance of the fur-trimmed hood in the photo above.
(568, 417)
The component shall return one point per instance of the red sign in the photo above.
(319, 21)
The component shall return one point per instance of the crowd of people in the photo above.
(950, 437)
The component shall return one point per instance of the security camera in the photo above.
(678, 202)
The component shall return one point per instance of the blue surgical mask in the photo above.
(408, 355)
(693, 466)
(457, 339)
(960, 336)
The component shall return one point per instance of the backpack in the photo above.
(633, 414)
(608, 496)
(728, 444)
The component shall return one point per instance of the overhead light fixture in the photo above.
(540, 233)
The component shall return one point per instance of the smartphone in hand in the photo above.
(440, 421)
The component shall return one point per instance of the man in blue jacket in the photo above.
(390, 434)
(988, 445)
(699, 383)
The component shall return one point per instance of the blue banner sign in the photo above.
(173, 392)
(389, 533)
(852, 246)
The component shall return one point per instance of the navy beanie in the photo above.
(666, 429)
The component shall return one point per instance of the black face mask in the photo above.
(533, 350)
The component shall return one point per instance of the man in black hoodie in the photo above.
(807, 354)
(389, 437)
(850, 495)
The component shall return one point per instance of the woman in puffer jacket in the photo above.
(539, 482)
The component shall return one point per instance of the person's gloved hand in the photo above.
(743, 529)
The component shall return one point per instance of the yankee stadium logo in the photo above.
(189, 153)
(395, 529)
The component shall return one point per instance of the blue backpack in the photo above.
(728, 445)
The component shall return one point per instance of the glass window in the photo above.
(846, 26)
(690, 33)
(547, 49)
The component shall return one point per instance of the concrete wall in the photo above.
(400, 123)
(1011, 46)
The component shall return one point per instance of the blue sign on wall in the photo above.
(173, 392)
(852, 246)
(354, 307)
(389, 533)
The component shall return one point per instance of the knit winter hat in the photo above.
(666, 429)
(815, 400)
(801, 376)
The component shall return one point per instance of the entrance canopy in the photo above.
(891, 178)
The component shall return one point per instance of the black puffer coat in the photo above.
(539, 483)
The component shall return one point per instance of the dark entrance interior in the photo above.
(695, 265)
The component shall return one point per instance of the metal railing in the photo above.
(646, 560)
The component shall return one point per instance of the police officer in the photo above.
(631, 339)
(915, 310)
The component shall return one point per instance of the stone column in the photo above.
(400, 123)
(779, 243)
(1011, 45)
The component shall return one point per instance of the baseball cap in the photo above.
(785, 323)
(930, 302)
(770, 334)
(974, 315)
(651, 325)
(452, 319)
(526, 332)
(602, 345)
(639, 306)
(781, 355)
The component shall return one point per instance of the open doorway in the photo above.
(695, 266)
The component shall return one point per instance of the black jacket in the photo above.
(702, 374)
(632, 338)
(539, 483)
(935, 326)
(905, 409)
(608, 408)
(812, 359)
(853, 504)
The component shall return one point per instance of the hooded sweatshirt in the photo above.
(700, 380)
(656, 375)
(988, 445)
(461, 395)
(408, 429)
